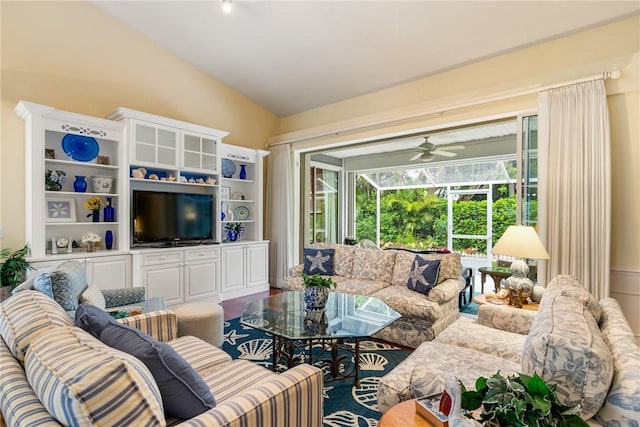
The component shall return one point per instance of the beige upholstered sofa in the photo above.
(54, 373)
(384, 275)
(584, 346)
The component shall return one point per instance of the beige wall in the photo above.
(74, 57)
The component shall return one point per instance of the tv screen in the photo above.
(163, 217)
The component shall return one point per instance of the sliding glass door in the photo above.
(323, 205)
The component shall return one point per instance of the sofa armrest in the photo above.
(290, 399)
(506, 318)
(161, 325)
(296, 270)
(446, 291)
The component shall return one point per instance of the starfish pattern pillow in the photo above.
(423, 275)
(318, 261)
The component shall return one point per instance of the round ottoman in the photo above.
(204, 320)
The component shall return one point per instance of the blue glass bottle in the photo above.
(243, 172)
(109, 211)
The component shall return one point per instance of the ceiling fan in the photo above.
(428, 151)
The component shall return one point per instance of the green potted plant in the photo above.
(13, 269)
(520, 401)
(234, 230)
(316, 290)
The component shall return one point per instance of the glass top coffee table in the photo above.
(322, 338)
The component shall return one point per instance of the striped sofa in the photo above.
(54, 373)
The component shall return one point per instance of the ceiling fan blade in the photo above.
(426, 157)
(443, 153)
(416, 157)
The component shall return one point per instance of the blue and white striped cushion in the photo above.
(25, 316)
(84, 382)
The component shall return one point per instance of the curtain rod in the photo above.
(614, 75)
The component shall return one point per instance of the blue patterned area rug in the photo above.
(344, 405)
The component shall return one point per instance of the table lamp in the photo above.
(520, 241)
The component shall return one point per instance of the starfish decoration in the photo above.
(318, 261)
(232, 336)
(415, 275)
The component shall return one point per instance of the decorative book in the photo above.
(429, 408)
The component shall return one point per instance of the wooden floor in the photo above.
(233, 307)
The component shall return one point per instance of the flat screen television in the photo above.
(171, 219)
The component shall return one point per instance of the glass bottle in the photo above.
(109, 211)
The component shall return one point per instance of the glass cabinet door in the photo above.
(154, 145)
(198, 152)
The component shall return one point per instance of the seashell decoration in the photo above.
(139, 173)
(259, 349)
(373, 361)
(210, 180)
(153, 177)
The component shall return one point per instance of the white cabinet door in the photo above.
(257, 264)
(199, 152)
(164, 281)
(112, 272)
(201, 280)
(233, 268)
(154, 145)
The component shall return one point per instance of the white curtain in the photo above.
(279, 227)
(575, 184)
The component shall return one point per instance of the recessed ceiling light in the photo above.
(226, 6)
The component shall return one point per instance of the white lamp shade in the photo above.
(520, 241)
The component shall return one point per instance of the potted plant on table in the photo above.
(316, 290)
(519, 400)
(13, 269)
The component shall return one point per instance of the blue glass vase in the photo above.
(95, 216)
(109, 211)
(232, 235)
(79, 185)
(243, 172)
(108, 239)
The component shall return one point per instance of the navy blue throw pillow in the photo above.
(318, 261)
(92, 319)
(423, 275)
(184, 392)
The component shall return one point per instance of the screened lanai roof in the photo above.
(457, 174)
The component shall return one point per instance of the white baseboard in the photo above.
(625, 288)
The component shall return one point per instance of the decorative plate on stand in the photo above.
(80, 148)
(228, 168)
(241, 212)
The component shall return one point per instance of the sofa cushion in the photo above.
(423, 275)
(92, 319)
(318, 261)
(68, 281)
(622, 404)
(373, 265)
(184, 393)
(343, 260)
(450, 266)
(202, 356)
(83, 382)
(42, 283)
(236, 378)
(92, 295)
(26, 315)
(123, 297)
(570, 286)
(565, 347)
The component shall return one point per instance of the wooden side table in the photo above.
(403, 415)
(496, 273)
(487, 298)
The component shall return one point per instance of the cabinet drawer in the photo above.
(201, 254)
(161, 258)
